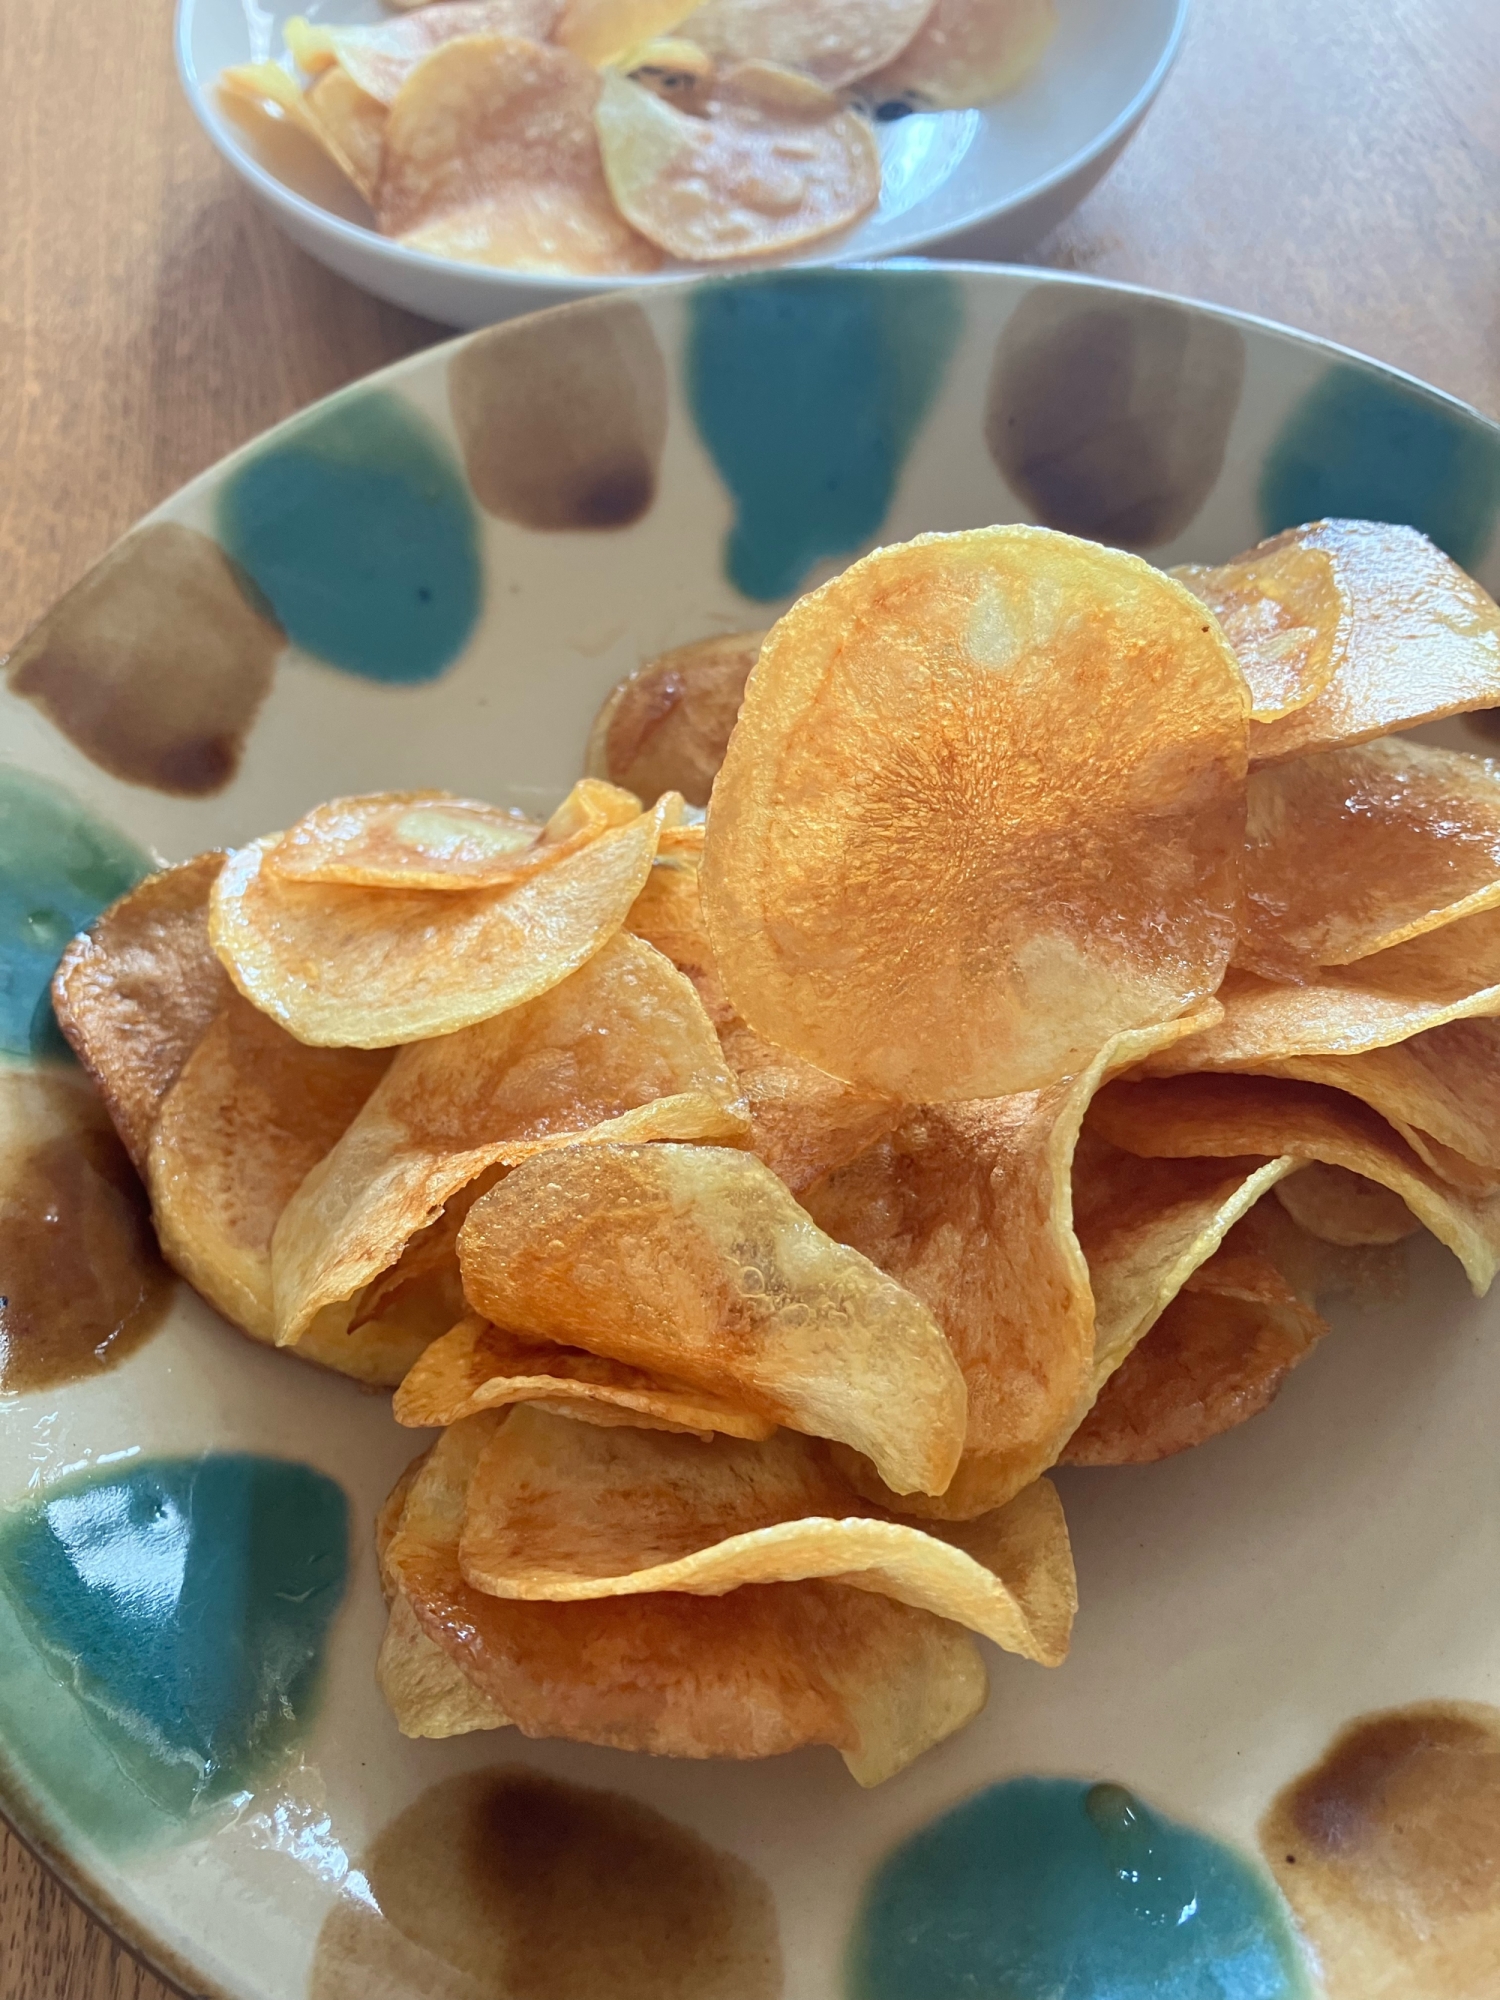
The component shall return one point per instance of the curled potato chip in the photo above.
(667, 725)
(379, 58)
(759, 1671)
(982, 810)
(1416, 637)
(491, 156)
(621, 1050)
(1224, 1116)
(477, 1366)
(604, 31)
(1352, 851)
(564, 1511)
(1344, 1208)
(353, 124)
(345, 966)
(136, 992)
(696, 1262)
(968, 52)
(773, 162)
(1282, 611)
(267, 88)
(837, 45)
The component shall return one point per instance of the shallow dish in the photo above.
(986, 183)
(462, 579)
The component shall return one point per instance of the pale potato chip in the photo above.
(1225, 1116)
(429, 1694)
(345, 966)
(696, 1262)
(1344, 1208)
(353, 124)
(968, 52)
(491, 157)
(773, 162)
(1417, 638)
(837, 45)
(759, 1671)
(135, 994)
(605, 31)
(983, 809)
(1283, 612)
(561, 1511)
(379, 58)
(667, 725)
(622, 1050)
(1352, 851)
(267, 88)
(477, 1366)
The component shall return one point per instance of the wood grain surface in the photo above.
(1331, 163)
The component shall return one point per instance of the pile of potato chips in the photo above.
(601, 136)
(1073, 981)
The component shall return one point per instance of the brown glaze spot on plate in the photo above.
(562, 417)
(1110, 420)
(83, 1281)
(156, 663)
(505, 1885)
(1388, 1851)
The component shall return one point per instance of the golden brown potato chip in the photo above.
(491, 156)
(762, 1670)
(1344, 1208)
(1221, 1116)
(622, 1050)
(563, 1511)
(983, 809)
(477, 1366)
(136, 991)
(696, 1262)
(1416, 638)
(344, 966)
(837, 45)
(772, 162)
(379, 58)
(666, 726)
(1352, 851)
(969, 51)
(1282, 611)
(604, 31)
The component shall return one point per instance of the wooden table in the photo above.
(1331, 163)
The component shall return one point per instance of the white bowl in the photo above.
(986, 184)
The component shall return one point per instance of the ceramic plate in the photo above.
(190, 1610)
(986, 183)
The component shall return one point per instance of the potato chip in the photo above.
(674, 69)
(353, 124)
(1223, 1116)
(983, 809)
(269, 89)
(1282, 611)
(1344, 1208)
(772, 163)
(429, 1694)
(759, 1671)
(668, 913)
(696, 1262)
(1416, 637)
(666, 726)
(561, 1511)
(344, 966)
(491, 157)
(136, 992)
(477, 1366)
(622, 1050)
(967, 52)
(1352, 851)
(604, 31)
(378, 59)
(837, 45)
(1370, 1273)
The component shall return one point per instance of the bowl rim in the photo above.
(24, 1813)
(356, 237)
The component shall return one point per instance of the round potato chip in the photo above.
(837, 45)
(968, 52)
(1344, 1208)
(381, 57)
(1282, 611)
(1352, 851)
(982, 810)
(340, 965)
(772, 163)
(667, 725)
(491, 157)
